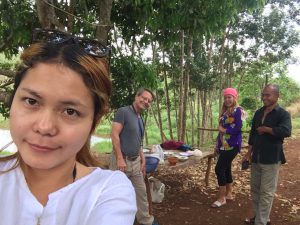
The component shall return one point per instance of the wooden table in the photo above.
(192, 160)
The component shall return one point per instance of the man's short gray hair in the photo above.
(141, 90)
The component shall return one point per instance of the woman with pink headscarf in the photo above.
(228, 144)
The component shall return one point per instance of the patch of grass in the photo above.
(296, 123)
(294, 110)
(5, 153)
(104, 128)
(103, 147)
(153, 135)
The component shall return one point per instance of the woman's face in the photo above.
(51, 116)
(228, 100)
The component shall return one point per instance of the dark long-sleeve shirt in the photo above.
(267, 148)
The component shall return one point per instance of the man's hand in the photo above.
(143, 165)
(121, 164)
(247, 157)
(263, 129)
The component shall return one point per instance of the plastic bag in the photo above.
(158, 152)
(157, 190)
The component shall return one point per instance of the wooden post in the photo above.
(149, 197)
(209, 158)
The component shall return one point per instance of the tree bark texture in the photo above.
(104, 25)
(198, 116)
(168, 102)
(180, 134)
(221, 69)
(158, 111)
(192, 120)
(47, 16)
(71, 18)
(204, 118)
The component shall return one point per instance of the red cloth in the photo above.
(172, 144)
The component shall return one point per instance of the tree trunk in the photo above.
(70, 16)
(180, 134)
(175, 94)
(210, 115)
(186, 84)
(266, 79)
(240, 80)
(198, 116)
(157, 123)
(146, 141)
(158, 111)
(204, 118)
(192, 119)
(168, 103)
(221, 69)
(104, 25)
(47, 16)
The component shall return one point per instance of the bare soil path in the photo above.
(187, 200)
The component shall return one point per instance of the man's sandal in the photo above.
(218, 204)
(252, 221)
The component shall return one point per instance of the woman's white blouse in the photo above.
(103, 197)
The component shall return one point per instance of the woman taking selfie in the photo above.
(228, 144)
(61, 92)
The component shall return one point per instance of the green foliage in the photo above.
(17, 19)
(129, 74)
(4, 123)
(167, 18)
(249, 103)
(4, 110)
(272, 32)
(289, 89)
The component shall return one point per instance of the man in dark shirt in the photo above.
(270, 125)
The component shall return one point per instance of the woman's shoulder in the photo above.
(239, 111)
(108, 177)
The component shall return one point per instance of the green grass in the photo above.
(103, 147)
(104, 128)
(5, 153)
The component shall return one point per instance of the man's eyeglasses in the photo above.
(90, 46)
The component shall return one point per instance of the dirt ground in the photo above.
(187, 200)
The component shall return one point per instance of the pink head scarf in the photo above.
(230, 91)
